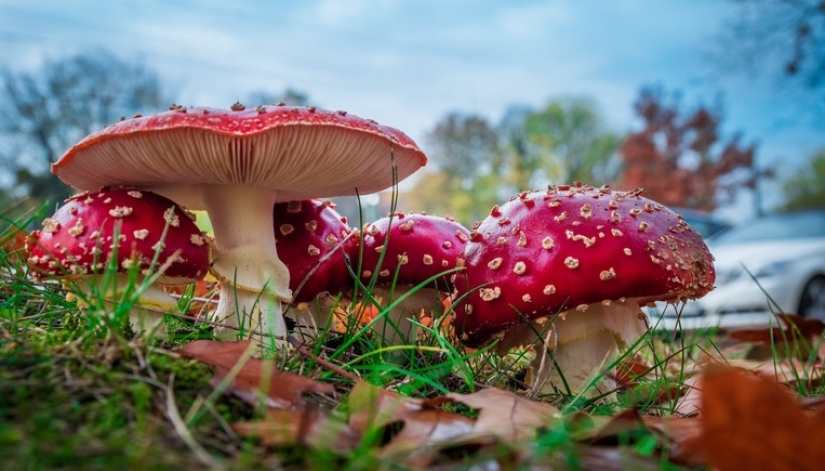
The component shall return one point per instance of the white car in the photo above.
(775, 264)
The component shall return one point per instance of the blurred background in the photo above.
(710, 105)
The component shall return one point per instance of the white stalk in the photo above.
(147, 311)
(582, 344)
(254, 281)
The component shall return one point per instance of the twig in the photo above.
(301, 348)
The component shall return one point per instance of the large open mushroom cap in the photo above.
(298, 152)
(568, 247)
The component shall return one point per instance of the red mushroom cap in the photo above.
(570, 246)
(305, 232)
(423, 245)
(78, 239)
(298, 152)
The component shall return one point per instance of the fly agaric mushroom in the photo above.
(402, 252)
(584, 257)
(236, 165)
(130, 229)
(313, 240)
(306, 233)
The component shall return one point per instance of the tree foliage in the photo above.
(680, 159)
(463, 149)
(806, 188)
(572, 142)
(44, 112)
(478, 164)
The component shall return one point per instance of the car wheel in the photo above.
(812, 303)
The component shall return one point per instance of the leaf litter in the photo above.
(730, 414)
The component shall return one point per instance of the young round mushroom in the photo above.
(403, 251)
(236, 164)
(313, 240)
(584, 258)
(138, 233)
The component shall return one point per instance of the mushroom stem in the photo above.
(585, 342)
(395, 327)
(253, 279)
(146, 313)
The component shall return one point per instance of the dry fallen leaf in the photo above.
(676, 433)
(688, 404)
(372, 407)
(311, 428)
(749, 422)
(424, 430)
(798, 337)
(254, 377)
(789, 371)
(505, 415)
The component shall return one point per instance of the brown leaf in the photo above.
(423, 430)
(606, 430)
(371, 406)
(799, 336)
(505, 415)
(750, 422)
(311, 428)
(254, 377)
(788, 371)
(688, 404)
(676, 433)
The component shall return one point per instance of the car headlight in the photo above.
(773, 269)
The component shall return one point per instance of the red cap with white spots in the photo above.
(297, 152)
(82, 235)
(306, 231)
(422, 245)
(570, 246)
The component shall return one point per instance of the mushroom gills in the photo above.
(582, 344)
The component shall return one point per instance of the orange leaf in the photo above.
(750, 422)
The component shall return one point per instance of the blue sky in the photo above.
(408, 63)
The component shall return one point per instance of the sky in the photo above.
(407, 63)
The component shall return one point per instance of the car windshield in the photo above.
(778, 226)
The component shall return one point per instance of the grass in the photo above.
(79, 390)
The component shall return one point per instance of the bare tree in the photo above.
(462, 145)
(43, 113)
(783, 37)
